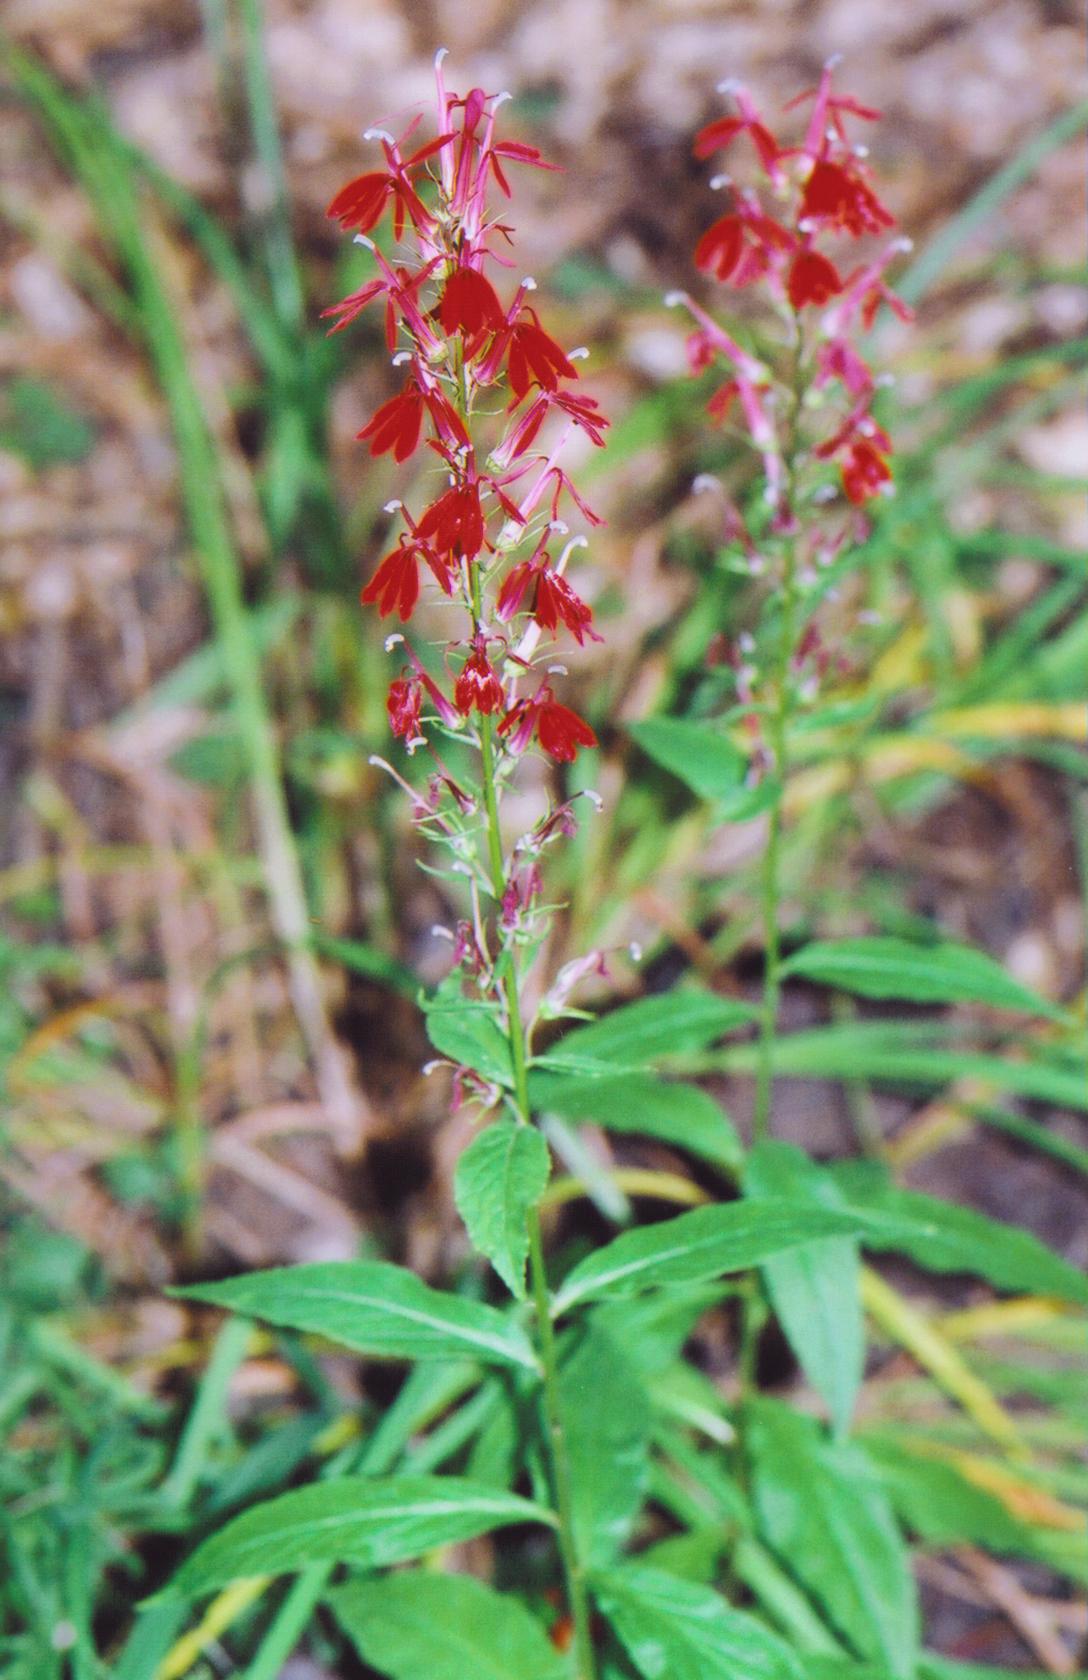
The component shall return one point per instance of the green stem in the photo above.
(770, 880)
(573, 1569)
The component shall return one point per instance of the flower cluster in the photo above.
(487, 391)
(815, 194)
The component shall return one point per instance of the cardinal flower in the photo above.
(396, 425)
(813, 279)
(478, 687)
(469, 304)
(455, 522)
(395, 584)
(836, 194)
(558, 730)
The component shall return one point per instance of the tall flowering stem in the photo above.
(805, 404)
(488, 399)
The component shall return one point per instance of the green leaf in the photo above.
(643, 1103)
(444, 1627)
(467, 1032)
(701, 755)
(942, 1237)
(816, 1289)
(679, 1630)
(39, 424)
(637, 1035)
(698, 1246)
(820, 1507)
(912, 1055)
(500, 1176)
(606, 1423)
(899, 968)
(362, 1520)
(374, 1308)
(940, 1505)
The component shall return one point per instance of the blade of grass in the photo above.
(85, 138)
(931, 264)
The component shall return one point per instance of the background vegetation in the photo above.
(214, 932)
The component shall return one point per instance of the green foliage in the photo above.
(500, 1176)
(685, 1500)
(822, 1510)
(814, 1289)
(41, 426)
(937, 973)
(367, 1521)
(639, 1035)
(676, 1113)
(606, 1419)
(678, 1630)
(373, 1308)
(699, 754)
(697, 1246)
(444, 1627)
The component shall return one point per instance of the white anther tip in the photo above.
(718, 182)
(361, 239)
(730, 85)
(378, 134)
(395, 640)
(833, 62)
(579, 355)
(704, 481)
(672, 299)
(634, 950)
(443, 52)
(392, 507)
(528, 284)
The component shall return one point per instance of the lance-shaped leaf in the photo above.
(700, 1245)
(944, 1237)
(368, 1521)
(606, 1422)
(674, 1629)
(815, 1289)
(643, 1103)
(639, 1034)
(444, 1627)
(821, 1508)
(897, 968)
(500, 1176)
(467, 1032)
(373, 1308)
(700, 755)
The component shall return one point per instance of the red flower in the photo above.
(397, 423)
(478, 687)
(585, 413)
(455, 522)
(559, 730)
(555, 600)
(403, 706)
(813, 279)
(517, 152)
(722, 401)
(395, 585)
(838, 195)
(717, 135)
(350, 308)
(864, 472)
(741, 248)
(469, 304)
(535, 358)
(360, 204)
